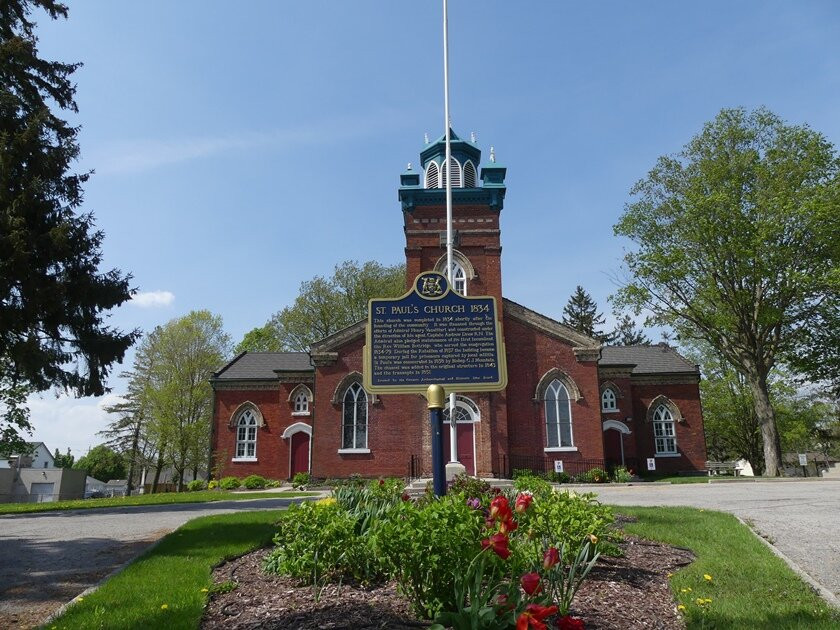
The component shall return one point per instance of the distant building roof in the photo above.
(654, 359)
(264, 365)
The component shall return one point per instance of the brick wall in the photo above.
(530, 354)
(272, 450)
(691, 441)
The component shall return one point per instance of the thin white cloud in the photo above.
(153, 299)
(64, 421)
(146, 154)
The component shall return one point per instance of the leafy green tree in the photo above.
(627, 334)
(817, 356)
(181, 357)
(581, 313)
(326, 305)
(63, 461)
(737, 244)
(54, 299)
(102, 463)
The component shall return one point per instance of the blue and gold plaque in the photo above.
(433, 336)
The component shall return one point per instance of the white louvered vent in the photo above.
(469, 175)
(454, 172)
(432, 175)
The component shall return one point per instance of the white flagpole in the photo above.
(453, 431)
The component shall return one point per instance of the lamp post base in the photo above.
(454, 468)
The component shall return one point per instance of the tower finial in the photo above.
(492, 154)
(408, 168)
(472, 137)
(426, 138)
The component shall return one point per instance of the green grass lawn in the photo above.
(167, 587)
(749, 587)
(146, 499)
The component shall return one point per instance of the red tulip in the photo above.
(534, 616)
(405, 496)
(568, 622)
(498, 543)
(508, 525)
(550, 557)
(523, 502)
(531, 583)
(499, 507)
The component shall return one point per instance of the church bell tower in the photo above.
(478, 193)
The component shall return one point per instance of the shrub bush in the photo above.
(229, 483)
(533, 484)
(559, 477)
(273, 483)
(213, 485)
(469, 487)
(622, 475)
(596, 475)
(254, 482)
(195, 485)
(300, 480)
(426, 547)
(318, 541)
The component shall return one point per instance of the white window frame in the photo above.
(459, 278)
(608, 396)
(664, 431)
(429, 171)
(553, 389)
(357, 392)
(301, 404)
(246, 435)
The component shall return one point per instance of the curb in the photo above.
(821, 590)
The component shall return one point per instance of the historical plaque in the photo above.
(433, 336)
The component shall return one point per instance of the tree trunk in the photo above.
(180, 469)
(135, 443)
(767, 421)
(158, 468)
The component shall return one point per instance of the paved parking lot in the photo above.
(801, 518)
(48, 558)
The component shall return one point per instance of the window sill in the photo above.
(300, 413)
(244, 459)
(353, 451)
(668, 455)
(610, 411)
(560, 449)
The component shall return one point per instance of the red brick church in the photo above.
(568, 398)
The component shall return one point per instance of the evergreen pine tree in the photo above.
(626, 333)
(54, 299)
(581, 313)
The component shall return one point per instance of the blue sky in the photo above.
(241, 149)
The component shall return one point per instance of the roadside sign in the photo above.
(432, 335)
(558, 465)
(803, 459)
(651, 463)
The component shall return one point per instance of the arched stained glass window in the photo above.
(558, 416)
(246, 435)
(664, 431)
(608, 400)
(354, 423)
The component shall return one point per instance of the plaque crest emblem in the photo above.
(432, 285)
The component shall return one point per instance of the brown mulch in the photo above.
(625, 593)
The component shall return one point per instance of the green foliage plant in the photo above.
(533, 484)
(300, 480)
(196, 484)
(622, 475)
(229, 483)
(426, 548)
(212, 484)
(254, 482)
(468, 486)
(273, 483)
(596, 475)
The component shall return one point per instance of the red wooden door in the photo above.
(612, 447)
(300, 453)
(465, 445)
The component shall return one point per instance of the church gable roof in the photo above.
(547, 325)
(654, 359)
(340, 338)
(263, 365)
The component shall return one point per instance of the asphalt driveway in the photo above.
(47, 558)
(801, 518)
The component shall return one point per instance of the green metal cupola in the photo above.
(427, 185)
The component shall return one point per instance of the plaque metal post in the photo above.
(435, 396)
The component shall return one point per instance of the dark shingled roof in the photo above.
(263, 365)
(655, 359)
